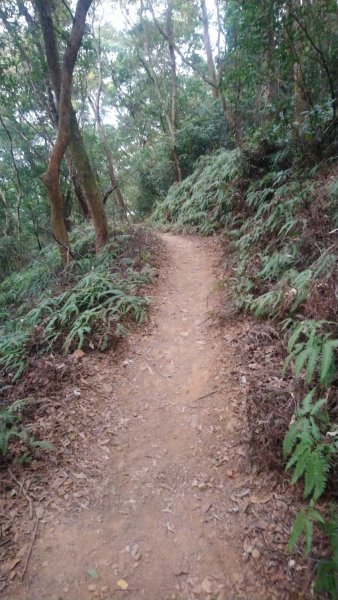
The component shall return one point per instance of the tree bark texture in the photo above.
(75, 141)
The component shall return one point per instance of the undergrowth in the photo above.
(281, 220)
(84, 306)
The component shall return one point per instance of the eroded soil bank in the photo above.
(159, 501)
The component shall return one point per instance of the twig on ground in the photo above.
(25, 493)
(6, 516)
(208, 394)
(30, 549)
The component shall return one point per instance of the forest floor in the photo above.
(155, 497)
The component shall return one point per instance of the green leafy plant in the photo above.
(11, 427)
(10, 418)
(327, 571)
(313, 349)
(311, 452)
(303, 527)
(90, 311)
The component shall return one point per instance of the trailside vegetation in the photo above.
(218, 117)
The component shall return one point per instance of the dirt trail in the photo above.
(166, 514)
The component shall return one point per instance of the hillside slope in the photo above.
(279, 222)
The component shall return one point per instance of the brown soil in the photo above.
(155, 489)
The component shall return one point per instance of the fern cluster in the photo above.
(312, 349)
(202, 200)
(92, 310)
(101, 295)
(311, 452)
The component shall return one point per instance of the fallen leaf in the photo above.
(260, 499)
(11, 565)
(79, 475)
(78, 353)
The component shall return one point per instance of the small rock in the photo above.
(122, 584)
(39, 511)
(197, 590)
(255, 553)
(206, 585)
(135, 552)
(202, 486)
(92, 587)
(104, 589)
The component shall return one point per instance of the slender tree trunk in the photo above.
(78, 189)
(207, 45)
(111, 172)
(95, 106)
(173, 117)
(169, 113)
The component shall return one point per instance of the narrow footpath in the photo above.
(167, 490)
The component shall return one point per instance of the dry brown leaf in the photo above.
(260, 499)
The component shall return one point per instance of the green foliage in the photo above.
(11, 427)
(285, 297)
(303, 526)
(311, 453)
(90, 312)
(327, 571)
(204, 198)
(313, 349)
(101, 296)
(10, 417)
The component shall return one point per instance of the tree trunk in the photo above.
(111, 172)
(51, 178)
(52, 183)
(207, 45)
(88, 182)
(73, 174)
(76, 145)
(78, 189)
(173, 117)
(95, 106)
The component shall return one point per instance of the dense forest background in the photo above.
(172, 83)
(197, 116)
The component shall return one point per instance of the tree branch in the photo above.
(323, 61)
